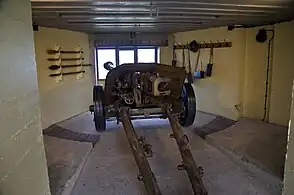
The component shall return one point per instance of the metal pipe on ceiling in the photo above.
(157, 15)
(254, 4)
(126, 29)
(126, 25)
(73, 21)
(44, 12)
(134, 17)
(155, 22)
(140, 8)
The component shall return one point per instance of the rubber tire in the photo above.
(99, 112)
(189, 102)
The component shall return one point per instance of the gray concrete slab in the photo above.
(220, 123)
(260, 143)
(217, 123)
(84, 123)
(111, 169)
(202, 119)
(63, 133)
(65, 160)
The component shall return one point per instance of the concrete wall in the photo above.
(23, 167)
(237, 86)
(289, 165)
(71, 96)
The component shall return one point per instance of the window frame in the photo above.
(96, 60)
(118, 48)
(126, 48)
(156, 60)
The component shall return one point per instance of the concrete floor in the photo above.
(65, 160)
(111, 169)
(83, 123)
(262, 144)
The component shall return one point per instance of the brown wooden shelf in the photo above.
(206, 45)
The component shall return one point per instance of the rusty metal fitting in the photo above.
(172, 135)
(201, 171)
(147, 149)
(186, 138)
(140, 177)
(182, 167)
(142, 139)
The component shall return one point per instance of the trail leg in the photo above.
(146, 175)
(188, 161)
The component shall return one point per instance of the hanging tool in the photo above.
(189, 74)
(183, 60)
(196, 74)
(52, 51)
(202, 72)
(174, 61)
(55, 67)
(64, 59)
(66, 73)
(193, 46)
(210, 64)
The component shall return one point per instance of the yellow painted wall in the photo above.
(239, 72)
(283, 73)
(220, 93)
(71, 96)
(254, 75)
(166, 53)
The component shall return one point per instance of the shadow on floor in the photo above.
(217, 124)
(63, 133)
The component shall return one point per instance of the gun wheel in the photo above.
(188, 113)
(98, 106)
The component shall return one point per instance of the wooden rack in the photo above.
(64, 59)
(53, 51)
(58, 59)
(66, 73)
(206, 45)
(55, 67)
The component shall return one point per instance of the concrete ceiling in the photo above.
(160, 16)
